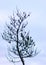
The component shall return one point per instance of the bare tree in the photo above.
(24, 45)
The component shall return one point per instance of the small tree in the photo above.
(24, 45)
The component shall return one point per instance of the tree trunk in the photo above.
(19, 51)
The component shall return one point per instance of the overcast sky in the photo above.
(37, 25)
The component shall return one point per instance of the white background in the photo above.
(37, 27)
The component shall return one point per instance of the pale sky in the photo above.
(37, 25)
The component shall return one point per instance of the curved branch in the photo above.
(22, 19)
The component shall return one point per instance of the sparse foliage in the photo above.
(24, 45)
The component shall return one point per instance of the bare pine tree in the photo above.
(24, 45)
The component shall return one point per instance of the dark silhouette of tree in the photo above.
(24, 45)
